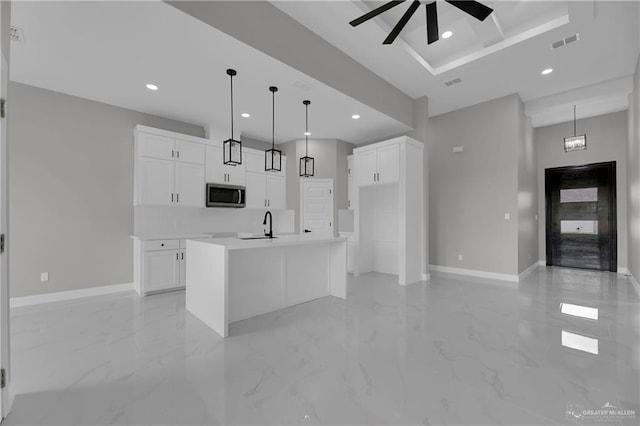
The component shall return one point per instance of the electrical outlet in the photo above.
(507, 216)
(459, 257)
(44, 277)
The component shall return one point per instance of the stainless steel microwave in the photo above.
(219, 195)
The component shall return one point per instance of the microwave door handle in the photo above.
(239, 196)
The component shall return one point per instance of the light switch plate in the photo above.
(458, 148)
(44, 277)
(507, 216)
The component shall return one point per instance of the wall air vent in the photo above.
(565, 41)
(452, 82)
(15, 34)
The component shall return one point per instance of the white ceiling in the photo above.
(502, 55)
(108, 51)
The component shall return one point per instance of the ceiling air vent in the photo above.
(452, 82)
(565, 41)
(15, 34)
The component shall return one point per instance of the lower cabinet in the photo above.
(160, 265)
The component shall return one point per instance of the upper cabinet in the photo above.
(172, 169)
(218, 172)
(168, 171)
(377, 165)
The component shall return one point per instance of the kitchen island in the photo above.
(231, 279)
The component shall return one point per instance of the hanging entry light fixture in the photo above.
(575, 142)
(231, 148)
(273, 157)
(306, 162)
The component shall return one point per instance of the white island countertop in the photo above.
(231, 279)
(235, 243)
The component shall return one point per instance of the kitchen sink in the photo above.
(256, 238)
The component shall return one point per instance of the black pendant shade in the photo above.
(231, 148)
(273, 156)
(470, 7)
(306, 162)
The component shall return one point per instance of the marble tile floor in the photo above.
(455, 351)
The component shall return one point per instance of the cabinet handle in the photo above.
(172, 197)
(182, 255)
(177, 154)
(173, 153)
(177, 198)
(348, 203)
(378, 176)
(268, 203)
(177, 258)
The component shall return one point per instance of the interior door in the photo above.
(316, 206)
(581, 216)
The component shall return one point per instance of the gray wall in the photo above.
(330, 161)
(633, 176)
(469, 192)
(421, 133)
(606, 141)
(71, 190)
(527, 194)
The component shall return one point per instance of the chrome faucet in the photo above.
(264, 222)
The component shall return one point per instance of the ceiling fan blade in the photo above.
(402, 22)
(473, 8)
(432, 22)
(375, 12)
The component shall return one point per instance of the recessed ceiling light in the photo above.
(307, 133)
(547, 71)
(245, 115)
(355, 116)
(447, 34)
(152, 86)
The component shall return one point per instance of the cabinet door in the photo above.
(216, 171)
(189, 152)
(155, 146)
(276, 192)
(389, 164)
(189, 187)
(349, 181)
(182, 267)
(236, 175)
(155, 182)
(160, 270)
(366, 167)
(256, 194)
(254, 161)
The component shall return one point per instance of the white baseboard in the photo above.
(524, 274)
(542, 262)
(426, 277)
(474, 273)
(623, 271)
(59, 296)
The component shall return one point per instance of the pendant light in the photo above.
(306, 162)
(575, 142)
(231, 148)
(273, 157)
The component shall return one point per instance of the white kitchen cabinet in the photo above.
(161, 270)
(155, 146)
(378, 165)
(350, 177)
(160, 264)
(256, 193)
(218, 172)
(168, 171)
(189, 152)
(155, 182)
(276, 192)
(189, 185)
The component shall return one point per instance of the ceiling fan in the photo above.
(473, 8)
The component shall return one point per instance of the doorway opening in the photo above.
(581, 225)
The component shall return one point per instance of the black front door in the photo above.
(581, 216)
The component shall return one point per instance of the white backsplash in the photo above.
(183, 220)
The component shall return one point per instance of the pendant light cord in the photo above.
(231, 107)
(273, 119)
(306, 132)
